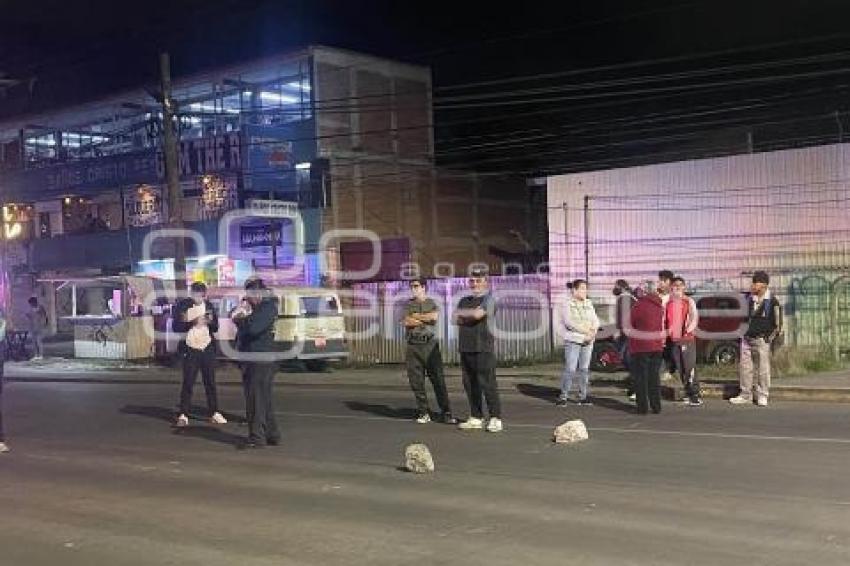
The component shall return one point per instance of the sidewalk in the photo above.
(540, 380)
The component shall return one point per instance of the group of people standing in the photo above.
(196, 321)
(656, 332)
(477, 354)
(656, 329)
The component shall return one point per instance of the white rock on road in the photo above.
(571, 432)
(418, 459)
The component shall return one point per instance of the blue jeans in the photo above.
(37, 343)
(577, 358)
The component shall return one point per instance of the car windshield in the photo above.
(318, 306)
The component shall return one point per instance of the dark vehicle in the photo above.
(720, 348)
(606, 357)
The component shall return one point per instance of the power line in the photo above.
(644, 79)
(647, 62)
(624, 93)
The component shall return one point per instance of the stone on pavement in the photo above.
(571, 432)
(418, 459)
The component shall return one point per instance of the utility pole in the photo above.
(274, 229)
(172, 171)
(587, 239)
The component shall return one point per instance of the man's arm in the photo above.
(693, 317)
(179, 323)
(259, 321)
(425, 317)
(468, 316)
(778, 320)
(213, 321)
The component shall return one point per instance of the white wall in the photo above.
(787, 212)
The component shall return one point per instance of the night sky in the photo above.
(77, 51)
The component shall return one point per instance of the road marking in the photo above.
(599, 429)
(724, 435)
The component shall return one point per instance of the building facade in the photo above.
(345, 138)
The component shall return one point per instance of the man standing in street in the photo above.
(477, 354)
(645, 330)
(682, 320)
(763, 328)
(196, 320)
(423, 353)
(255, 337)
(37, 322)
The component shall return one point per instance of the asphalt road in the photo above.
(97, 476)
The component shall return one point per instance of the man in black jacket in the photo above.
(764, 327)
(255, 337)
(477, 358)
(197, 351)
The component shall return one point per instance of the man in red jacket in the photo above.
(682, 320)
(646, 344)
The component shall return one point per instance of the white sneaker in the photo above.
(3, 448)
(633, 397)
(182, 421)
(471, 423)
(217, 418)
(424, 419)
(740, 400)
(494, 425)
(762, 402)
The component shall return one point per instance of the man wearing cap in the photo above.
(477, 354)
(423, 353)
(255, 337)
(196, 321)
(763, 328)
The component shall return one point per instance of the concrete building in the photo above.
(346, 138)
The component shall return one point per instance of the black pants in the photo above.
(193, 362)
(422, 359)
(258, 379)
(2, 434)
(479, 378)
(647, 381)
(685, 357)
(668, 363)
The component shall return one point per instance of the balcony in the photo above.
(112, 250)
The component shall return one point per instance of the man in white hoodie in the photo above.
(579, 324)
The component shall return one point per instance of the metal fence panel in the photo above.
(522, 319)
